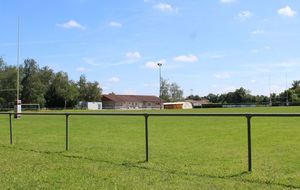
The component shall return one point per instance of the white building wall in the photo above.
(94, 105)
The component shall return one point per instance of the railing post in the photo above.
(249, 142)
(67, 131)
(10, 129)
(146, 136)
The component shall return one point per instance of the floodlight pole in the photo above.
(160, 81)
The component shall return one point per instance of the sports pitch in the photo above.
(108, 152)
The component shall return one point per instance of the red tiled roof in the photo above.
(130, 98)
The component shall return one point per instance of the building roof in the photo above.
(202, 101)
(130, 98)
(173, 103)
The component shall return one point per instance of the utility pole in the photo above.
(160, 81)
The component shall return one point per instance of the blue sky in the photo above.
(205, 46)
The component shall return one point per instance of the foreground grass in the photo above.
(185, 153)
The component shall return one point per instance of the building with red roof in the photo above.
(113, 101)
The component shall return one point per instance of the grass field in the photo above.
(185, 153)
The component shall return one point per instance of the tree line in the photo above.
(172, 92)
(43, 86)
(243, 96)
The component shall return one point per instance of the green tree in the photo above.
(296, 84)
(94, 91)
(193, 97)
(175, 92)
(89, 91)
(239, 96)
(33, 89)
(170, 92)
(8, 84)
(46, 76)
(212, 98)
(82, 88)
(62, 92)
(164, 88)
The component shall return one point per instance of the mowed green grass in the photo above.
(108, 152)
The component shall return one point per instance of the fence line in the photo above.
(147, 115)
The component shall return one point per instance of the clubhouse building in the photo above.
(113, 101)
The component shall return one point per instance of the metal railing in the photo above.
(248, 116)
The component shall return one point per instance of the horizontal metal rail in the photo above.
(162, 114)
(248, 116)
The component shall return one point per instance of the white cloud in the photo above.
(227, 1)
(153, 64)
(258, 32)
(164, 7)
(71, 24)
(245, 14)
(287, 11)
(115, 24)
(114, 79)
(224, 75)
(186, 58)
(133, 55)
(260, 50)
(81, 69)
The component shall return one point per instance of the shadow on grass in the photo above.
(138, 165)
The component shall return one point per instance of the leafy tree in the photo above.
(46, 76)
(93, 92)
(193, 97)
(296, 84)
(44, 86)
(212, 98)
(72, 99)
(274, 98)
(33, 89)
(2, 64)
(175, 92)
(8, 84)
(170, 92)
(82, 88)
(197, 97)
(262, 100)
(165, 94)
(89, 91)
(286, 95)
(62, 92)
